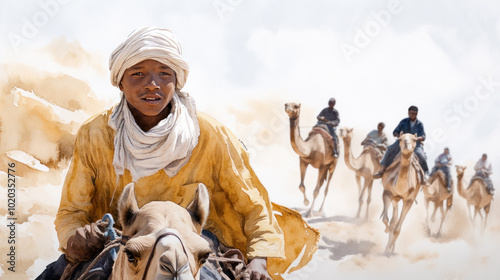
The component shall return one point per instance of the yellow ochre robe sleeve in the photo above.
(78, 189)
(249, 198)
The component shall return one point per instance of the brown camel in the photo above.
(364, 166)
(164, 238)
(437, 193)
(315, 151)
(476, 196)
(401, 182)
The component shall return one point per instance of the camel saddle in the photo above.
(324, 132)
(438, 175)
(476, 178)
(374, 150)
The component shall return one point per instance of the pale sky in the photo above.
(375, 57)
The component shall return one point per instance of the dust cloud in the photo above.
(41, 111)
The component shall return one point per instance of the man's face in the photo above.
(331, 104)
(413, 115)
(446, 151)
(148, 86)
(380, 128)
(484, 158)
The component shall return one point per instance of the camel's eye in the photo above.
(130, 257)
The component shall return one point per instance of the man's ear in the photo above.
(120, 86)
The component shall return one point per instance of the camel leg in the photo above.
(321, 173)
(369, 197)
(436, 207)
(486, 212)
(477, 210)
(360, 199)
(428, 229)
(480, 215)
(302, 187)
(386, 197)
(443, 215)
(392, 237)
(358, 181)
(395, 215)
(330, 174)
(397, 229)
(470, 214)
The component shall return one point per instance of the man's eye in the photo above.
(137, 74)
(165, 74)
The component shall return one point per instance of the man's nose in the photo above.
(152, 83)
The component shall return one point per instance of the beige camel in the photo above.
(164, 238)
(315, 151)
(437, 193)
(364, 166)
(401, 182)
(476, 195)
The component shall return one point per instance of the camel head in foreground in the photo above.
(164, 239)
(292, 109)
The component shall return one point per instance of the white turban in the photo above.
(149, 43)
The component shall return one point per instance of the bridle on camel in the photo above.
(164, 234)
(119, 241)
(123, 241)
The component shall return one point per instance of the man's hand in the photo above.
(257, 270)
(87, 242)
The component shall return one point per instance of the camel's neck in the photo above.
(349, 159)
(298, 145)
(403, 183)
(460, 186)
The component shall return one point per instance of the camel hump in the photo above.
(438, 175)
(322, 130)
(477, 179)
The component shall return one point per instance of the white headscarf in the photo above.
(155, 43)
(169, 144)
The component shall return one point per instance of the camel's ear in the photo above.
(416, 136)
(200, 205)
(127, 206)
(299, 105)
(400, 133)
(350, 130)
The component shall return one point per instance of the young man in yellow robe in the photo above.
(155, 138)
